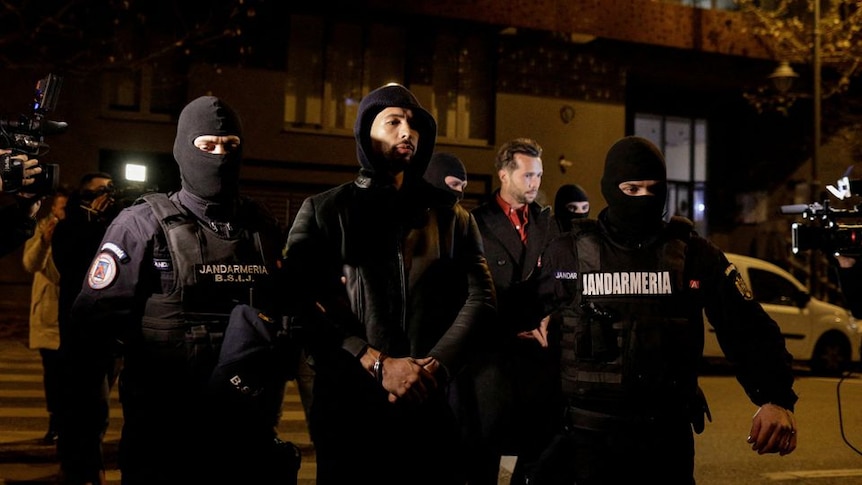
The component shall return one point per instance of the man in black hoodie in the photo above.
(169, 271)
(393, 287)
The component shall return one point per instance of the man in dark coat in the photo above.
(390, 280)
(515, 386)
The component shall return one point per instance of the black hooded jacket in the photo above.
(408, 258)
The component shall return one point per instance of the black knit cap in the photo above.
(394, 96)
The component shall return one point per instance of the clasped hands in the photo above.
(405, 378)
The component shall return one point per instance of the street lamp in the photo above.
(783, 77)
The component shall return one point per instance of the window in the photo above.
(332, 64)
(768, 287)
(683, 143)
(152, 92)
(457, 93)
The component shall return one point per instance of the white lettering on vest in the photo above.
(234, 269)
(566, 275)
(627, 283)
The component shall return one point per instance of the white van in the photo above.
(820, 334)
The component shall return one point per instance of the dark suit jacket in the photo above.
(514, 267)
(515, 383)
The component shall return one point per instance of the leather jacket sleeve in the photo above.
(313, 281)
(452, 350)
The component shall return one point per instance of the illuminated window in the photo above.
(333, 64)
(150, 93)
(683, 143)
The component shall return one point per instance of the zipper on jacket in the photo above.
(403, 281)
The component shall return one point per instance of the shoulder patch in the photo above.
(741, 287)
(102, 272)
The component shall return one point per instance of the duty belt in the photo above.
(579, 418)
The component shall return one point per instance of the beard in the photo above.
(395, 161)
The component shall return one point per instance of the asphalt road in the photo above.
(828, 452)
(826, 415)
(24, 420)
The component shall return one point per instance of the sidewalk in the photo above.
(25, 461)
(23, 458)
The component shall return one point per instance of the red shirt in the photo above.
(518, 217)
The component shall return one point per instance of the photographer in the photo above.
(18, 211)
(76, 238)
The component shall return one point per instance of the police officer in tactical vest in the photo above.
(168, 274)
(632, 289)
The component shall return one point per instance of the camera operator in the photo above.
(850, 280)
(18, 211)
(76, 240)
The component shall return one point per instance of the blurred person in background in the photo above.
(44, 304)
(447, 172)
(76, 239)
(571, 203)
(89, 210)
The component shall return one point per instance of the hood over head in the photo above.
(393, 96)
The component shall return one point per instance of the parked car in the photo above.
(824, 336)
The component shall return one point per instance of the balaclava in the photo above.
(441, 166)
(397, 96)
(206, 175)
(569, 193)
(634, 158)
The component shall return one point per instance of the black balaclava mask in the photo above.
(393, 96)
(570, 193)
(634, 158)
(441, 166)
(211, 177)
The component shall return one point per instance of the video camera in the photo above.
(25, 135)
(828, 229)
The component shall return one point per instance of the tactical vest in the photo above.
(628, 345)
(182, 328)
